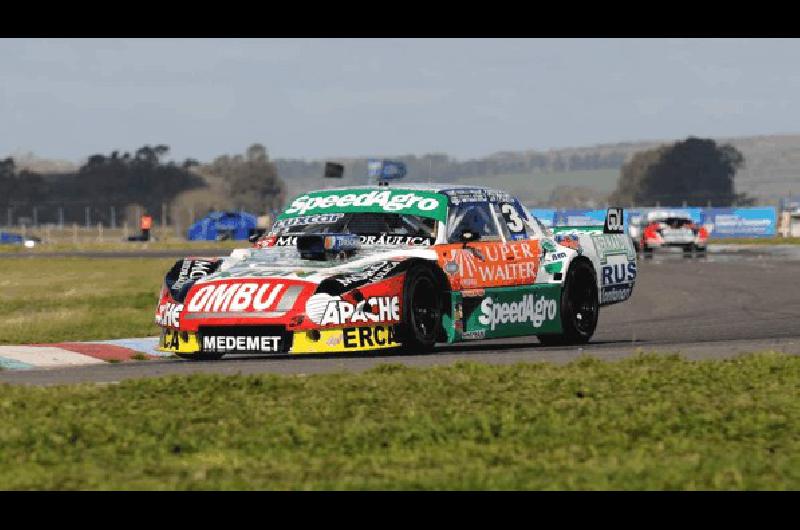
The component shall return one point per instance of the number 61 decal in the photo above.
(614, 221)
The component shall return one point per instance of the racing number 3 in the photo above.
(512, 219)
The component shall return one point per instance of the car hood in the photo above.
(287, 263)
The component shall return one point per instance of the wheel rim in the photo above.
(424, 310)
(583, 301)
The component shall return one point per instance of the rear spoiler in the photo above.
(613, 224)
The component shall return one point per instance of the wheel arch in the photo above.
(443, 284)
(590, 263)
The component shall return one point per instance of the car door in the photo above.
(496, 258)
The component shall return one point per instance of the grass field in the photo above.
(111, 246)
(65, 299)
(651, 422)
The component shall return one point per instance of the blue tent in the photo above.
(11, 239)
(217, 226)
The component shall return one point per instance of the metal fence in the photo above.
(91, 223)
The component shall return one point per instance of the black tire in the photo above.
(200, 356)
(647, 251)
(579, 307)
(422, 311)
(688, 251)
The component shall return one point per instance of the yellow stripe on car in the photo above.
(178, 341)
(362, 338)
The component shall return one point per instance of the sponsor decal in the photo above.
(620, 273)
(366, 240)
(474, 335)
(328, 218)
(169, 314)
(460, 196)
(568, 240)
(491, 264)
(247, 272)
(373, 273)
(178, 341)
(392, 240)
(192, 270)
(471, 293)
(531, 309)
(613, 245)
(556, 256)
(616, 293)
(230, 343)
(342, 242)
(373, 309)
(369, 337)
(245, 296)
(617, 282)
(425, 204)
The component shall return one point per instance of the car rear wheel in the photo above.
(422, 311)
(579, 307)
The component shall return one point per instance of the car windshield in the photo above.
(676, 222)
(362, 224)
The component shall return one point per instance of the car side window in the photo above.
(471, 217)
(518, 223)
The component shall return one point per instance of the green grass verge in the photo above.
(649, 422)
(65, 299)
(134, 246)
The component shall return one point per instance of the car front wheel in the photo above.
(422, 312)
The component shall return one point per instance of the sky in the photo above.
(328, 98)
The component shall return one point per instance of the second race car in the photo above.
(658, 230)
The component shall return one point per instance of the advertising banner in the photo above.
(580, 217)
(742, 222)
(545, 215)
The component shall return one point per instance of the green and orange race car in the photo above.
(376, 267)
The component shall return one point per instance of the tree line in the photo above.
(109, 185)
(442, 167)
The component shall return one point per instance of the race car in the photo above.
(663, 230)
(376, 267)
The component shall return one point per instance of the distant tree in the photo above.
(251, 181)
(694, 170)
(142, 179)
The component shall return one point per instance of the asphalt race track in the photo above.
(731, 302)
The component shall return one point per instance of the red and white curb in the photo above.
(63, 354)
